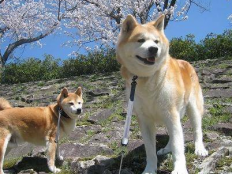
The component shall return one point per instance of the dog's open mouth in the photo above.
(148, 61)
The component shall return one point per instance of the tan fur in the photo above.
(4, 104)
(38, 125)
(166, 88)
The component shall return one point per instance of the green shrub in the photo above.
(94, 62)
(213, 46)
(184, 48)
(31, 69)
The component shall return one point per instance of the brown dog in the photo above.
(167, 89)
(38, 125)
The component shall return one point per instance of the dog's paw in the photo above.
(180, 171)
(163, 151)
(201, 151)
(53, 169)
(60, 158)
(57, 170)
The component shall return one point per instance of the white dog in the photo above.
(167, 88)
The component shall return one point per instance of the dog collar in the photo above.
(62, 113)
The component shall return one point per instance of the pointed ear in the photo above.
(79, 91)
(159, 23)
(64, 92)
(129, 24)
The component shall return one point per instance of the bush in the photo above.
(213, 46)
(94, 62)
(34, 69)
(184, 48)
(31, 69)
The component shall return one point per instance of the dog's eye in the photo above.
(141, 40)
(71, 103)
(79, 103)
(156, 41)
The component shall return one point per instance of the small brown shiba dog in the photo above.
(38, 125)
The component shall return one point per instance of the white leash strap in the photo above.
(58, 127)
(126, 133)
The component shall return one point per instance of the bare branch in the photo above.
(11, 47)
(1, 1)
(199, 5)
(3, 30)
(168, 16)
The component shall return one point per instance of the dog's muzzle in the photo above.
(147, 61)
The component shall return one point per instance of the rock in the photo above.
(97, 165)
(219, 93)
(82, 131)
(228, 109)
(98, 92)
(23, 149)
(77, 150)
(100, 116)
(212, 135)
(29, 171)
(225, 128)
(103, 160)
(209, 164)
(222, 80)
(81, 166)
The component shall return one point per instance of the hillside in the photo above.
(94, 145)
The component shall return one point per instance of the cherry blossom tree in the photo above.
(230, 18)
(25, 21)
(99, 21)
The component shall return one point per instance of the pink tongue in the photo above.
(151, 60)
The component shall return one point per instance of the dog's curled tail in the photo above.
(4, 104)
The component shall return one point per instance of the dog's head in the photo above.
(142, 48)
(71, 103)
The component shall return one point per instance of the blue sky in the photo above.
(198, 23)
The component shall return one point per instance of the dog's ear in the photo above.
(129, 24)
(79, 92)
(64, 92)
(159, 23)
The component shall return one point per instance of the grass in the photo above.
(226, 161)
(11, 162)
(217, 116)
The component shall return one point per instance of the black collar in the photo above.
(61, 111)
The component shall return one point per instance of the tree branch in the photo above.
(167, 17)
(11, 47)
(1, 1)
(198, 5)
(3, 30)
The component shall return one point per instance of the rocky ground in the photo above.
(94, 146)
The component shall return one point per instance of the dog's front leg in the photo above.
(175, 131)
(51, 155)
(148, 133)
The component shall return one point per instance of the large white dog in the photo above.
(167, 88)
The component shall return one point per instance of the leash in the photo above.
(126, 133)
(58, 127)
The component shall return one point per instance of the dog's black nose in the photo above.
(153, 50)
(78, 111)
